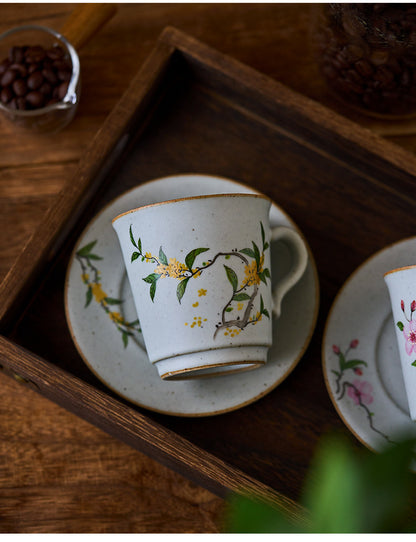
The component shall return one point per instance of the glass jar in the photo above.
(368, 56)
(50, 117)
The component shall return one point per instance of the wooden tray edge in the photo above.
(132, 427)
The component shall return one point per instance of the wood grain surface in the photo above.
(58, 473)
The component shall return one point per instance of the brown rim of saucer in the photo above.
(189, 198)
(404, 268)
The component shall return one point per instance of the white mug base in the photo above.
(208, 363)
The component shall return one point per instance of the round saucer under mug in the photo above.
(361, 361)
(106, 331)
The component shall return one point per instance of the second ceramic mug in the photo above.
(401, 284)
(199, 271)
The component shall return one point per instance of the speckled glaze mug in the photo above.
(199, 271)
(401, 284)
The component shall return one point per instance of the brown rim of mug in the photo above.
(189, 198)
(404, 268)
(188, 374)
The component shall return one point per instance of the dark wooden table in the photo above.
(57, 472)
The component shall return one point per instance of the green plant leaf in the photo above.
(241, 297)
(85, 251)
(266, 313)
(334, 490)
(248, 252)
(131, 237)
(347, 490)
(162, 257)
(350, 364)
(180, 290)
(152, 278)
(190, 257)
(388, 486)
(134, 323)
(125, 338)
(341, 361)
(262, 277)
(229, 309)
(152, 290)
(232, 277)
(263, 238)
(248, 515)
(256, 253)
(134, 256)
(414, 363)
(88, 296)
(400, 325)
(93, 257)
(113, 301)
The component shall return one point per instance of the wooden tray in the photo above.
(191, 109)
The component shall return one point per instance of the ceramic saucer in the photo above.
(360, 356)
(106, 332)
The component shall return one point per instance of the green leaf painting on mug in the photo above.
(244, 291)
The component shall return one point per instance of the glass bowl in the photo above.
(50, 117)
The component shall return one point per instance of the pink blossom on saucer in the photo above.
(360, 391)
(409, 332)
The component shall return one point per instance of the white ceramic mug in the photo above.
(401, 284)
(199, 271)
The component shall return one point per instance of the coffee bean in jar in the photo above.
(368, 56)
(32, 77)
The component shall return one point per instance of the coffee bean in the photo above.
(46, 89)
(35, 98)
(32, 76)
(364, 68)
(21, 68)
(55, 53)
(35, 80)
(4, 65)
(35, 53)
(8, 77)
(406, 77)
(34, 67)
(19, 87)
(62, 90)
(50, 76)
(64, 75)
(369, 55)
(6, 95)
(16, 54)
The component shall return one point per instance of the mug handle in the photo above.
(300, 253)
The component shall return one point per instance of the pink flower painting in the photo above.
(360, 392)
(409, 332)
(408, 328)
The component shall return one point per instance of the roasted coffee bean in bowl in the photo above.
(39, 78)
(368, 56)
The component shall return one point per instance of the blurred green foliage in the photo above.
(345, 491)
